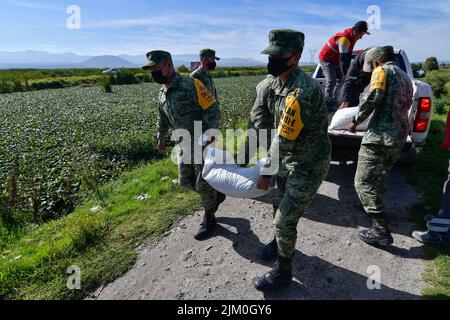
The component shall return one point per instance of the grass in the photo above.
(101, 244)
(429, 174)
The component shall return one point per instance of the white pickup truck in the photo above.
(346, 144)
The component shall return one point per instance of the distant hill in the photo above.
(30, 57)
(44, 60)
(108, 62)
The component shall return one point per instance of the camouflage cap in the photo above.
(282, 41)
(368, 60)
(156, 56)
(208, 53)
(381, 51)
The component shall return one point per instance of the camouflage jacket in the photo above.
(389, 100)
(301, 117)
(187, 100)
(262, 114)
(206, 79)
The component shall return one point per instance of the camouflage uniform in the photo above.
(206, 79)
(304, 159)
(179, 106)
(301, 150)
(261, 113)
(389, 100)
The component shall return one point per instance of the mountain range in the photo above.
(31, 59)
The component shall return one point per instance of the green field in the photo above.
(57, 144)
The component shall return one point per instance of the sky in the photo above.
(235, 28)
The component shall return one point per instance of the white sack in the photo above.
(343, 117)
(222, 173)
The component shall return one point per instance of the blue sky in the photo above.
(235, 28)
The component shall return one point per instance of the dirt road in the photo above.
(330, 262)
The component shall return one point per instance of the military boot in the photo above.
(378, 234)
(207, 226)
(269, 252)
(280, 276)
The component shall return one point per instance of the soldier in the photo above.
(261, 115)
(389, 100)
(181, 102)
(203, 73)
(301, 148)
(358, 78)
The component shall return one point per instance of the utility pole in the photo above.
(313, 54)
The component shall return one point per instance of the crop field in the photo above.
(57, 144)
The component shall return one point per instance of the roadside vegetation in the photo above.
(429, 174)
(34, 80)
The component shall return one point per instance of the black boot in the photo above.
(269, 252)
(207, 226)
(378, 234)
(280, 276)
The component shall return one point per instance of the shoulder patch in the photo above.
(344, 41)
(291, 121)
(204, 97)
(379, 78)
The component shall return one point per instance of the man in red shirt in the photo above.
(335, 59)
(439, 227)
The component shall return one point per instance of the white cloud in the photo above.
(34, 5)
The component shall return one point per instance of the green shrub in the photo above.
(124, 77)
(437, 83)
(431, 64)
(440, 106)
(106, 84)
(183, 69)
(144, 78)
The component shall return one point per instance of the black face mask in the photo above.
(212, 65)
(158, 77)
(278, 66)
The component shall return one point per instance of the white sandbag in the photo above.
(222, 173)
(343, 117)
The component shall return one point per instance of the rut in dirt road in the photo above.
(330, 262)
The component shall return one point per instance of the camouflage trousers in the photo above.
(296, 190)
(190, 176)
(375, 162)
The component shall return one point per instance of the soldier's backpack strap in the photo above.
(291, 123)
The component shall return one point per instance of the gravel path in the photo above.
(330, 262)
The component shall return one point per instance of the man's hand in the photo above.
(352, 127)
(161, 145)
(263, 182)
(344, 105)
